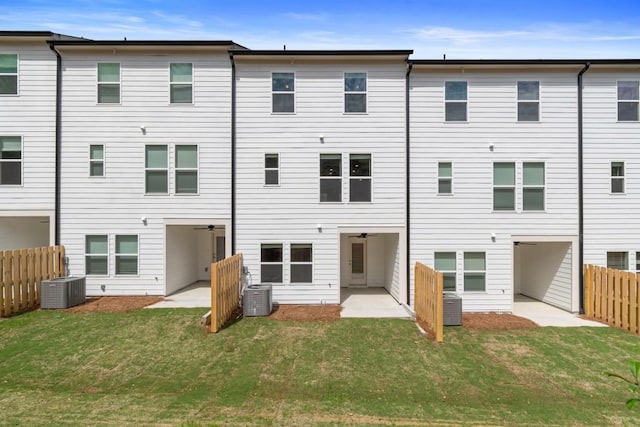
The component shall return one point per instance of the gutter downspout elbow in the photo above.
(581, 190)
(58, 143)
(408, 179)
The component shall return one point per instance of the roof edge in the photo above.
(355, 52)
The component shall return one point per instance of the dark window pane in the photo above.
(181, 93)
(455, 112)
(449, 281)
(503, 199)
(618, 260)
(355, 103)
(301, 273)
(156, 182)
(283, 103)
(474, 281)
(282, 82)
(330, 164)
(96, 265)
(628, 90)
(355, 82)
(96, 169)
(8, 63)
(271, 253)
(186, 182)
(528, 91)
(108, 93)
(8, 85)
(126, 264)
(528, 111)
(301, 253)
(444, 186)
(181, 72)
(533, 199)
(330, 190)
(271, 177)
(271, 161)
(360, 164)
(617, 169)
(617, 185)
(359, 190)
(271, 273)
(455, 91)
(533, 173)
(628, 111)
(10, 173)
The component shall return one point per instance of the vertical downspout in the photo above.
(408, 179)
(58, 143)
(581, 190)
(233, 154)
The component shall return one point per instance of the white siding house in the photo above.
(27, 139)
(320, 171)
(494, 180)
(612, 165)
(146, 172)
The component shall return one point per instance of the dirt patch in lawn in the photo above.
(114, 304)
(306, 312)
(495, 321)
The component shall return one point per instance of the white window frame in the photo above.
(281, 263)
(20, 160)
(617, 178)
(636, 101)
(352, 92)
(454, 271)
(503, 186)
(176, 169)
(536, 186)
(637, 261)
(337, 178)
(98, 83)
(626, 254)
(528, 101)
(442, 178)
(96, 161)
(148, 169)
(465, 272)
(116, 255)
(294, 263)
(277, 169)
(87, 255)
(461, 101)
(193, 92)
(17, 74)
(279, 92)
(362, 178)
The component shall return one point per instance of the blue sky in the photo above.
(459, 29)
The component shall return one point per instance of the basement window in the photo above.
(96, 255)
(301, 263)
(618, 260)
(475, 266)
(271, 263)
(127, 255)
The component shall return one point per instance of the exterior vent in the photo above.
(257, 301)
(452, 309)
(63, 292)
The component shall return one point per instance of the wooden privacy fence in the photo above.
(612, 296)
(428, 299)
(21, 273)
(226, 282)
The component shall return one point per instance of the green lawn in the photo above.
(159, 367)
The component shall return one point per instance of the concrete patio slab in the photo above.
(195, 295)
(547, 315)
(371, 303)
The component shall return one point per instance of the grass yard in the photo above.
(157, 367)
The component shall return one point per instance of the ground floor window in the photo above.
(271, 263)
(475, 267)
(445, 262)
(96, 249)
(126, 255)
(10, 160)
(301, 263)
(618, 260)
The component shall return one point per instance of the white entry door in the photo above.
(358, 261)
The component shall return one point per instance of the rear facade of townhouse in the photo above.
(326, 169)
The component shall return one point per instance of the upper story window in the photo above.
(283, 92)
(181, 83)
(271, 169)
(186, 169)
(156, 169)
(96, 160)
(360, 178)
(10, 160)
(617, 177)
(355, 92)
(455, 105)
(504, 186)
(628, 95)
(445, 262)
(8, 74)
(330, 178)
(445, 178)
(533, 186)
(618, 260)
(528, 101)
(108, 83)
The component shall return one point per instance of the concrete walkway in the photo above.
(547, 315)
(370, 303)
(195, 295)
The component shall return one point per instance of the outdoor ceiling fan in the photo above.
(524, 243)
(364, 235)
(208, 227)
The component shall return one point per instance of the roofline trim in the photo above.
(138, 43)
(320, 52)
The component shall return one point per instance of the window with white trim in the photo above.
(360, 177)
(445, 262)
(10, 160)
(126, 255)
(283, 92)
(271, 169)
(96, 255)
(637, 262)
(528, 101)
(108, 83)
(445, 178)
(475, 272)
(96, 160)
(504, 186)
(8, 74)
(628, 97)
(355, 92)
(617, 177)
(301, 263)
(181, 83)
(271, 263)
(330, 177)
(156, 169)
(455, 105)
(186, 169)
(618, 260)
(533, 186)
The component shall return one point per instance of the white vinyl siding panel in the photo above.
(465, 221)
